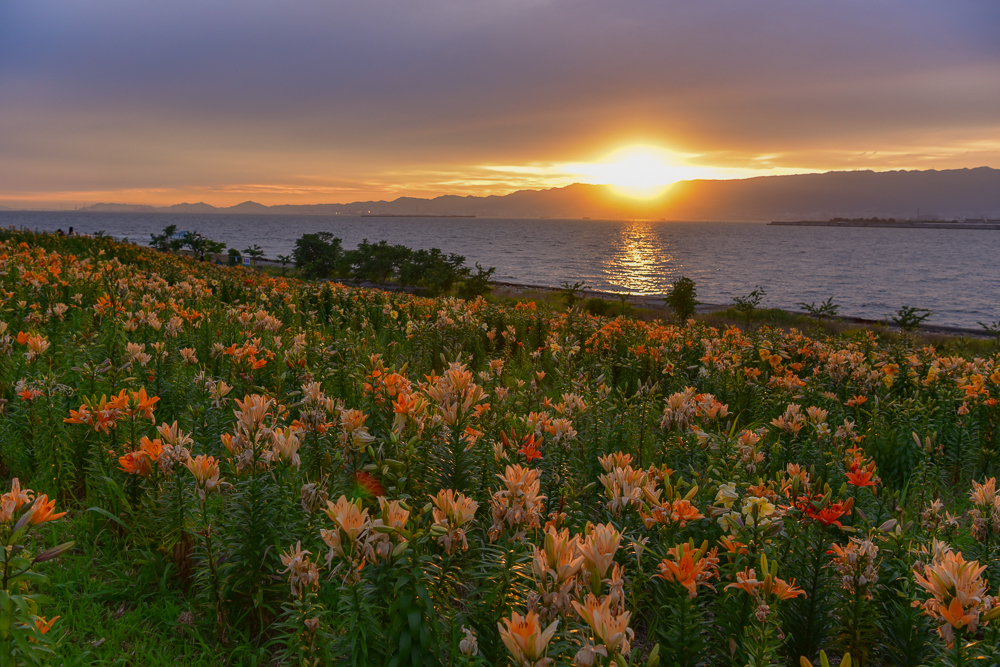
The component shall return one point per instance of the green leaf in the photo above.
(109, 515)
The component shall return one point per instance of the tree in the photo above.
(318, 255)
(200, 244)
(431, 269)
(478, 283)
(745, 305)
(166, 241)
(571, 293)
(992, 329)
(254, 252)
(377, 261)
(682, 298)
(909, 318)
(284, 260)
(597, 306)
(826, 309)
(624, 308)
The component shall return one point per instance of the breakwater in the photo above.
(909, 224)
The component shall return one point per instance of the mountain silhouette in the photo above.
(945, 194)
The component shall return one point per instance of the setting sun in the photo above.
(642, 172)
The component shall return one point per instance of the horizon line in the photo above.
(649, 201)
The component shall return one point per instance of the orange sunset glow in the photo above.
(342, 102)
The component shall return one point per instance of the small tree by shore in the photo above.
(571, 293)
(170, 241)
(909, 318)
(254, 252)
(745, 305)
(166, 241)
(992, 329)
(682, 298)
(477, 284)
(827, 309)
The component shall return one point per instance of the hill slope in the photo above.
(948, 194)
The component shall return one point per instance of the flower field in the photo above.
(258, 470)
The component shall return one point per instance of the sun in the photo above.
(639, 171)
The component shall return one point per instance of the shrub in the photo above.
(597, 306)
(992, 329)
(318, 255)
(824, 310)
(430, 269)
(166, 241)
(909, 318)
(682, 298)
(745, 305)
(570, 293)
(477, 284)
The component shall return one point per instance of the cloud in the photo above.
(188, 94)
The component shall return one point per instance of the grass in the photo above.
(123, 607)
(651, 431)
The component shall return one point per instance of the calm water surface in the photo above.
(869, 272)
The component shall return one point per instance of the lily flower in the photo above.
(524, 638)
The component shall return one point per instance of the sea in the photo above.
(869, 272)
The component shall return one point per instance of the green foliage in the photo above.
(570, 293)
(166, 240)
(476, 284)
(745, 305)
(680, 630)
(597, 306)
(430, 269)
(825, 310)
(318, 255)
(682, 298)
(377, 262)
(24, 632)
(321, 256)
(992, 329)
(810, 620)
(201, 245)
(414, 637)
(254, 252)
(909, 318)
(170, 240)
(393, 396)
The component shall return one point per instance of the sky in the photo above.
(322, 101)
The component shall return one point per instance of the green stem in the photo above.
(212, 568)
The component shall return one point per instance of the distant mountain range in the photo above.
(947, 194)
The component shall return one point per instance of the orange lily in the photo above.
(43, 625)
(135, 463)
(151, 448)
(524, 637)
(688, 567)
(41, 511)
(142, 405)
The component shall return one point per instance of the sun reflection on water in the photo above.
(640, 262)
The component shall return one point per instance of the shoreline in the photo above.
(653, 302)
(891, 225)
(656, 303)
